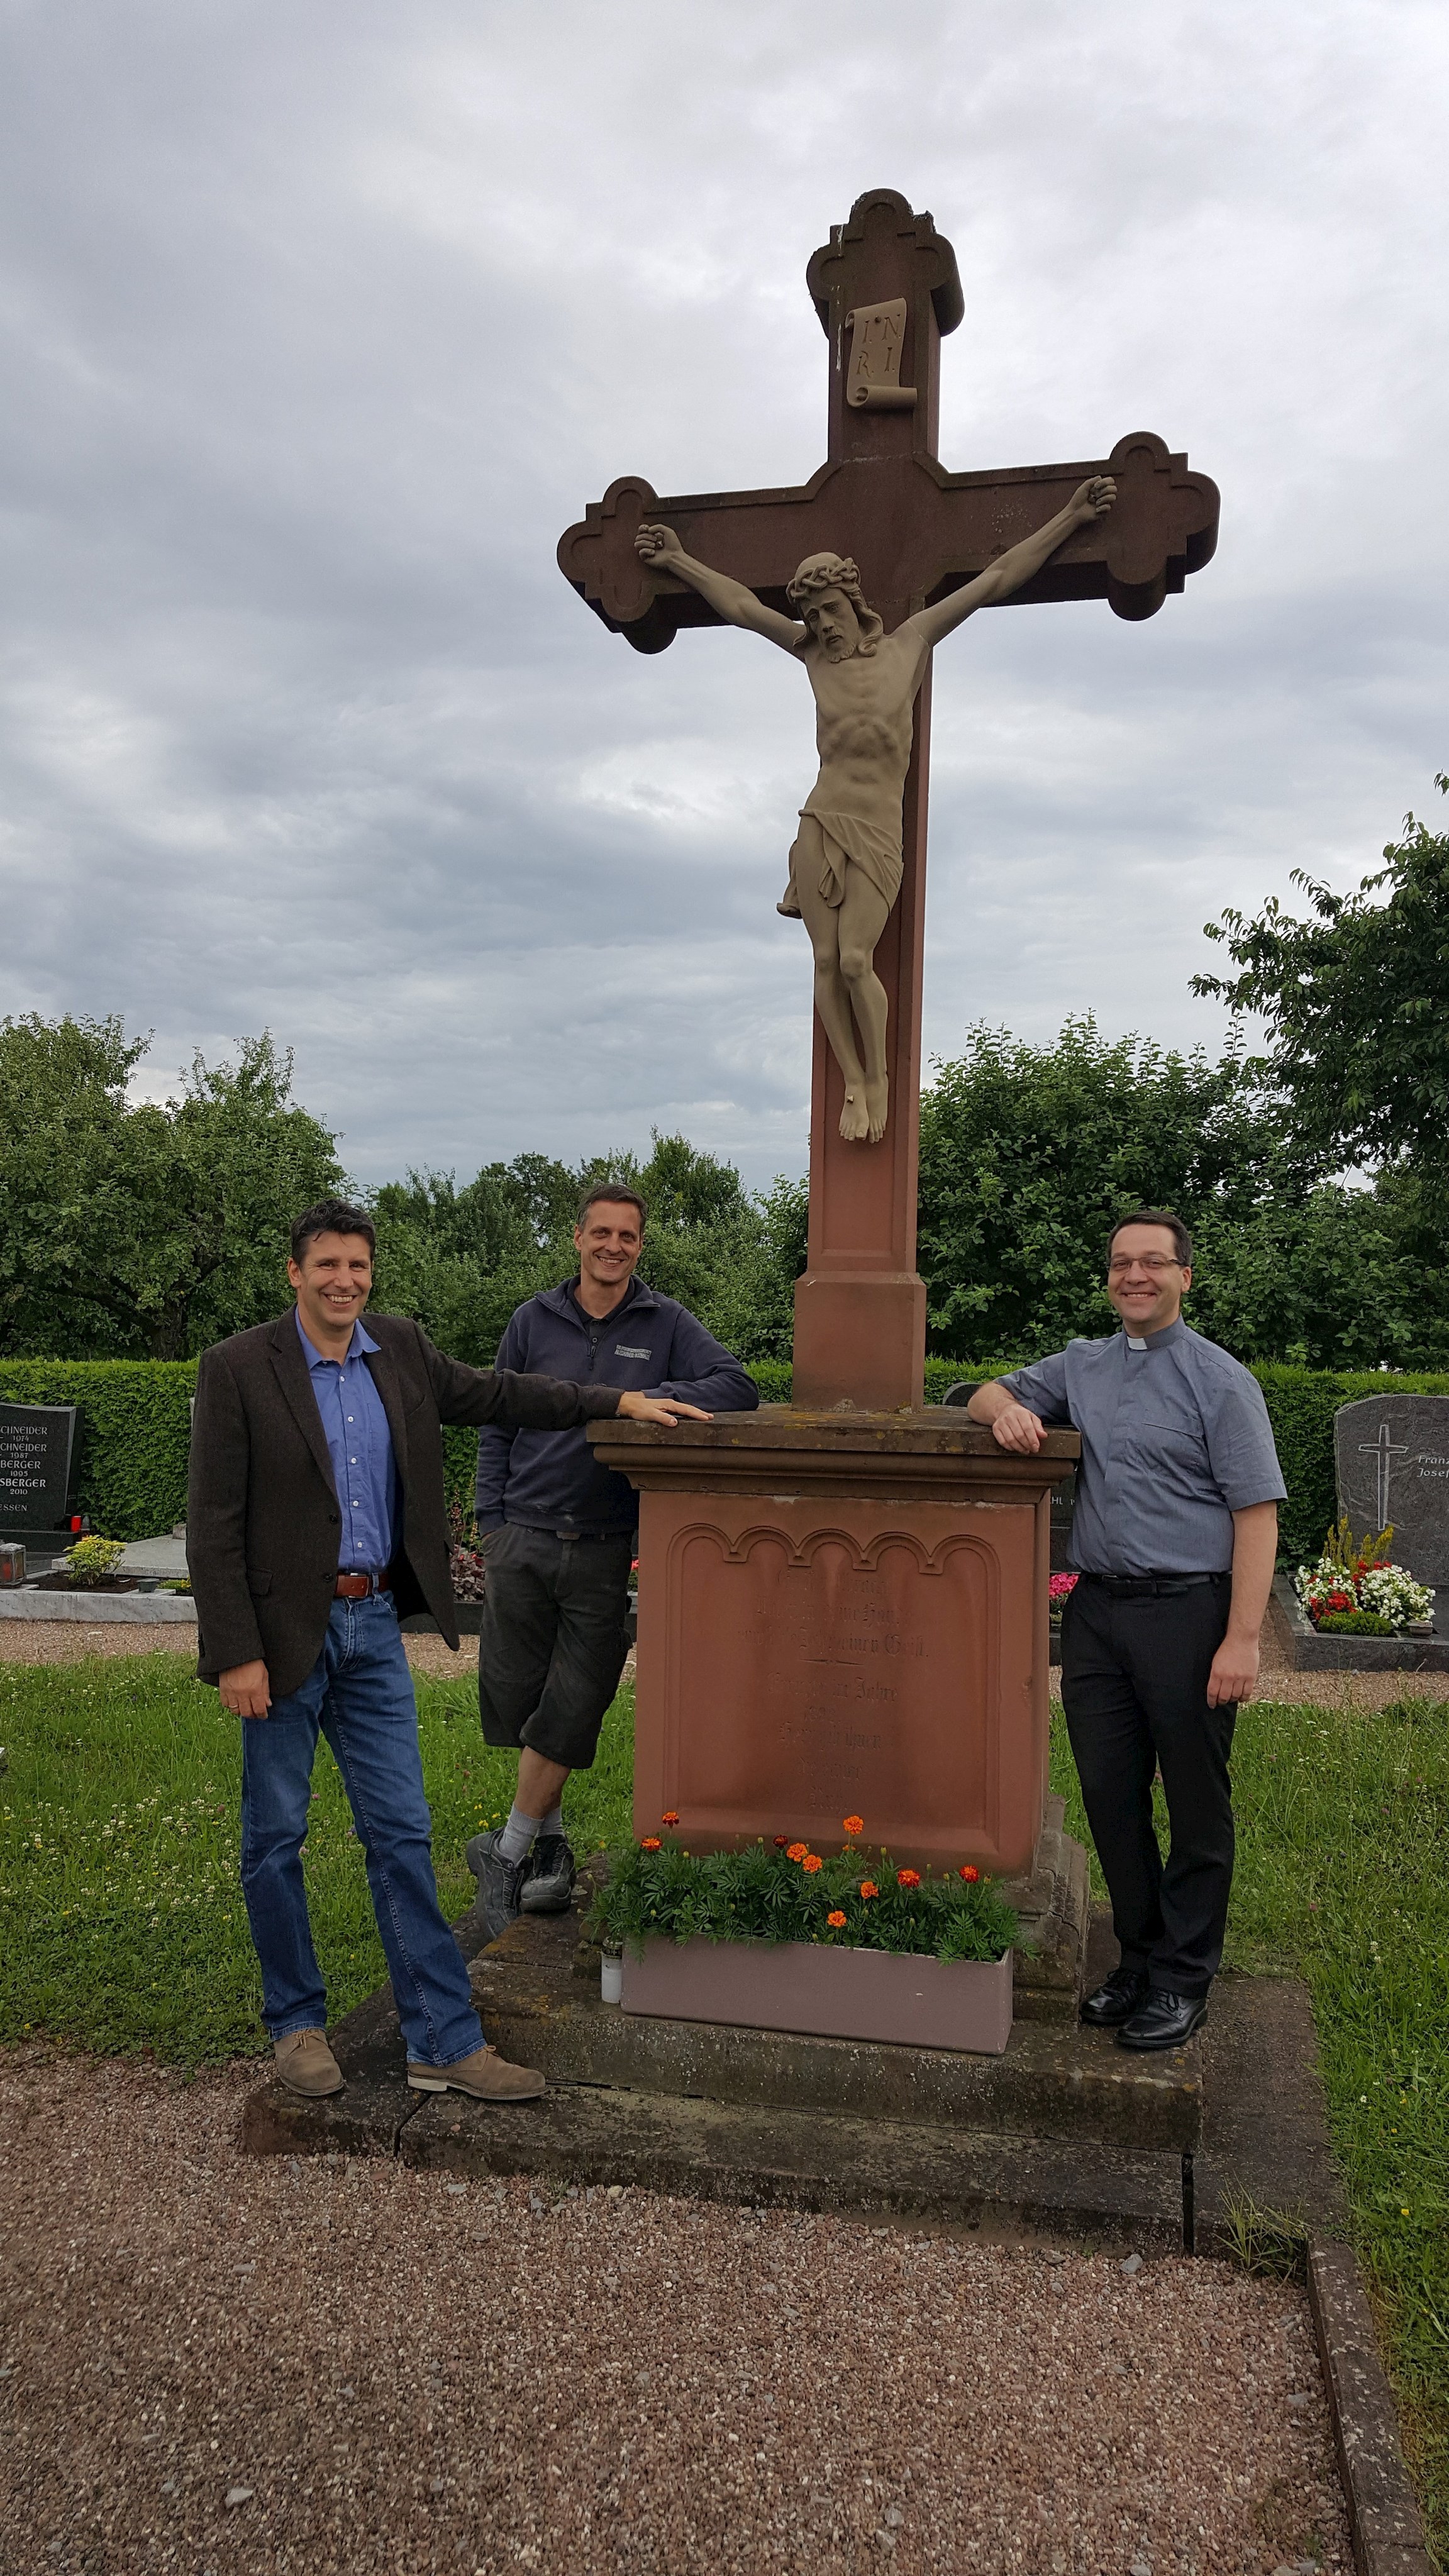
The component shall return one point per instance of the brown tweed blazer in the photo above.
(263, 1524)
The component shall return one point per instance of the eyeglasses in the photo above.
(1141, 1261)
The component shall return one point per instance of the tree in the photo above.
(143, 1229)
(1357, 1005)
(1028, 1154)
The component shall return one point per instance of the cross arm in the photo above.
(756, 538)
(917, 533)
(1163, 526)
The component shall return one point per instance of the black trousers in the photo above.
(554, 1638)
(1134, 1687)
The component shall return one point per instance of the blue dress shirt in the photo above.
(1175, 1439)
(359, 1444)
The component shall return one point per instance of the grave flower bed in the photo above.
(778, 1936)
(1355, 1589)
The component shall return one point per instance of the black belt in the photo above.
(1143, 1587)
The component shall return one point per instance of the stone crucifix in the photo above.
(846, 863)
(882, 522)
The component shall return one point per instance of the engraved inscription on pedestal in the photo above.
(821, 1677)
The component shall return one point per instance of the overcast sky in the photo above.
(321, 319)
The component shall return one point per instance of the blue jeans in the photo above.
(359, 1694)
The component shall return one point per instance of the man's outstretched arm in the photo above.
(1091, 501)
(661, 550)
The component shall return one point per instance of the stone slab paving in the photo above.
(219, 2362)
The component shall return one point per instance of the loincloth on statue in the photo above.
(845, 836)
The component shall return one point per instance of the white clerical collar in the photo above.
(1136, 1342)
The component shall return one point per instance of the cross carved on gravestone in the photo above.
(886, 289)
(1382, 1451)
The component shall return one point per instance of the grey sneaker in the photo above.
(549, 1885)
(500, 1882)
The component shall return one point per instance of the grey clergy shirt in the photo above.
(1175, 1439)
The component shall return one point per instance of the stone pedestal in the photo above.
(843, 1614)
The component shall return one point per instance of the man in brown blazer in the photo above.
(316, 1522)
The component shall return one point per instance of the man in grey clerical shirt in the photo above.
(1174, 1535)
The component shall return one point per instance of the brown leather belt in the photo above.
(358, 1587)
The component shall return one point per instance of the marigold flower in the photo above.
(853, 1824)
(970, 1873)
(908, 1878)
(651, 1842)
(780, 1841)
(812, 1861)
(869, 1888)
(836, 1920)
(670, 1819)
(797, 1851)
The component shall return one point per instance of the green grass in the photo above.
(121, 1920)
(122, 1927)
(1343, 1879)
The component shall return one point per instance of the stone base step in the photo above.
(807, 2160)
(537, 1991)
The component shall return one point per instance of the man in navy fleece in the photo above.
(558, 1535)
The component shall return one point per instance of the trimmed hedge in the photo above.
(133, 1435)
(134, 1430)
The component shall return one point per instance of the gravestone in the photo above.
(36, 1442)
(1391, 1455)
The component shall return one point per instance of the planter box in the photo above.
(830, 1993)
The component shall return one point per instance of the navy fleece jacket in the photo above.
(550, 1479)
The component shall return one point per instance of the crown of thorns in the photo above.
(824, 572)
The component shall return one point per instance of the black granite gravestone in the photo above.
(36, 1442)
(1391, 1453)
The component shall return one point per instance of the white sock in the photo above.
(516, 1840)
(553, 1822)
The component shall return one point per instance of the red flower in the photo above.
(670, 1819)
(869, 1888)
(836, 1920)
(651, 1842)
(780, 1841)
(908, 1878)
(970, 1874)
(812, 1861)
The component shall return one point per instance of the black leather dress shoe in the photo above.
(1116, 2000)
(1164, 2021)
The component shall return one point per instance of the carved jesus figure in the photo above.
(845, 866)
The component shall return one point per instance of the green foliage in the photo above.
(1354, 1623)
(461, 1260)
(143, 1229)
(122, 1925)
(133, 1435)
(92, 1560)
(761, 1894)
(1029, 1154)
(1357, 1005)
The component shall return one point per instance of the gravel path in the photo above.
(217, 2364)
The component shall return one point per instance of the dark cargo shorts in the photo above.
(553, 1639)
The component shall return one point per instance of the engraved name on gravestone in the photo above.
(35, 1453)
(1392, 1459)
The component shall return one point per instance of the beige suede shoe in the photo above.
(484, 2077)
(306, 2065)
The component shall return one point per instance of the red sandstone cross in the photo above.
(886, 288)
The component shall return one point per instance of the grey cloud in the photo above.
(320, 325)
